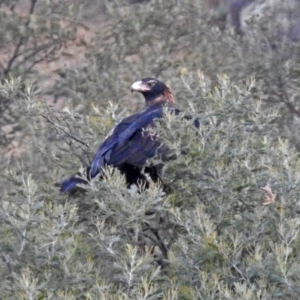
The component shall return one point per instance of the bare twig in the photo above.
(158, 241)
(16, 52)
(65, 132)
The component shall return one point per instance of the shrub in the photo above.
(226, 223)
(209, 236)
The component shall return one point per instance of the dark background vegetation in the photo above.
(227, 225)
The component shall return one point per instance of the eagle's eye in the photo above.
(151, 83)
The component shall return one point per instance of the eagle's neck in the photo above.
(164, 97)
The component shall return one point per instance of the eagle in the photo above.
(132, 141)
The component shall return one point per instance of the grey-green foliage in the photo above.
(153, 39)
(219, 183)
(169, 39)
(208, 236)
(32, 35)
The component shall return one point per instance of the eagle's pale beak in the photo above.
(139, 86)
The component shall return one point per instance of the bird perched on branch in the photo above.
(132, 141)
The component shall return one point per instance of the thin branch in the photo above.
(64, 131)
(16, 53)
(286, 98)
(163, 248)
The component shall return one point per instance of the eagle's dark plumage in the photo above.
(131, 142)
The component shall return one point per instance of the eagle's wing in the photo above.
(132, 141)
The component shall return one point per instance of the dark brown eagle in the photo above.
(132, 141)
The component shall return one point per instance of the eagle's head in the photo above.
(153, 90)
